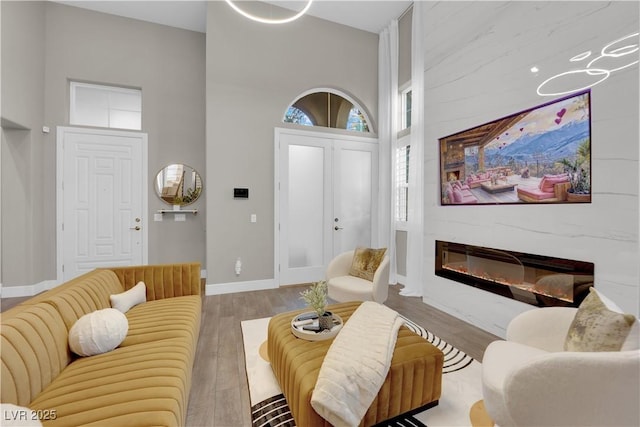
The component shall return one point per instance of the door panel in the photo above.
(355, 164)
(326, 202)
(102, 200)
(306, 219)
(304, 207)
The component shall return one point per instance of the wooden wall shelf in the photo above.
(164, 211)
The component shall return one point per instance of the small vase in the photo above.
(325, 321)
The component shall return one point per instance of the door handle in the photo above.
(337, 228)
(137, 228)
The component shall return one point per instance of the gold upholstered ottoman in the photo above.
(414, 380)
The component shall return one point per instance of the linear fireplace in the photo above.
(535, 279)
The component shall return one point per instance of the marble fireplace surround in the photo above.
(538, 280)
(477, 69)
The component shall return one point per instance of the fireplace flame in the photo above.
(534, 279)
(559, 288)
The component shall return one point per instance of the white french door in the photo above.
(326, 186)
(102, 198)
(355, 185)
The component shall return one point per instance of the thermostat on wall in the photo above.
(240, 193)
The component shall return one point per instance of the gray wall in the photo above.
(22, 143)
(477, 69)
(167, 63)
(254, 71)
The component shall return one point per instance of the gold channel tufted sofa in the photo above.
(143, 382)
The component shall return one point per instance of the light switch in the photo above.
(179, 217)
(157, 217)
(254, 218)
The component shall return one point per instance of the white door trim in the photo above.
(276, 185)
(61, 130)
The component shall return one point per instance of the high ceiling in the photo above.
(365, 15)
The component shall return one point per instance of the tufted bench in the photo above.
(413, 382)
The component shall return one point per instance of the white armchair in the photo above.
(530, 380)
(342, 287)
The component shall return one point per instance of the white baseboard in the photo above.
(229, 288)
(28, 290)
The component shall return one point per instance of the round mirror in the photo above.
(178, 184)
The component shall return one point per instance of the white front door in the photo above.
(326, 200)
(101, 201)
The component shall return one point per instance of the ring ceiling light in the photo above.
(610, 52)
(268, 20)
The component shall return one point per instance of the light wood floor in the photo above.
(219, 392)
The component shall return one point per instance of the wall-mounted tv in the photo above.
(540, 155)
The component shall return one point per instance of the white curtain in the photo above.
(415, 220)
(387, 135)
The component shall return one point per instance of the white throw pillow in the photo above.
(18, 416)
(134, 296)
(98, 332)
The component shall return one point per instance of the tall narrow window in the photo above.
(105, 106)
(405, 109)
(402, 183)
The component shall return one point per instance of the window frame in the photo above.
(73, 108)
(403, 142)
(405, 112)
(355, 104)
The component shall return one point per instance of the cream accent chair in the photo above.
(343, 288)
(529, 380)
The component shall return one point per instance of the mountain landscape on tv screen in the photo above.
(553, 144)
(508, 159)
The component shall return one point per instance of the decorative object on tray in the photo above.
(307, 327)
(316, 298)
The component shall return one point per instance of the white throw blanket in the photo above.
(356, 365)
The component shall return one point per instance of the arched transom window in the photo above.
(327, 109)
